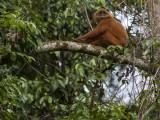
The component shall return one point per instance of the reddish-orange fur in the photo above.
(109, 31)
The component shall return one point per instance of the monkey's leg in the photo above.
(110, 39)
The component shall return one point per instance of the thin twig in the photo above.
(89, 22)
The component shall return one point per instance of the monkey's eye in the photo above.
(102, 14)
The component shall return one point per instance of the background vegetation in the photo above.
(67, 85)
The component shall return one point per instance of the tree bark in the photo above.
(96, 51)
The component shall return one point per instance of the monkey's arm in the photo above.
(97, 32)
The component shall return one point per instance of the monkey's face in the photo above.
(101, 14)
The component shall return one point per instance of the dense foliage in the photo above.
(64, 84)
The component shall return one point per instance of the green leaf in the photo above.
(6, 24)
(13, 56)
(61, 83)
(93, 62)
(10, 110)
(42, 100)
(66, 12)
(11, 16)
(49, 99)
(29, 58)
(55, 85)
(30, 97)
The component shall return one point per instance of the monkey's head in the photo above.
(101, 14)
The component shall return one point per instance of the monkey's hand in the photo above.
(79, 39)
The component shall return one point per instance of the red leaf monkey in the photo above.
(109, 31)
